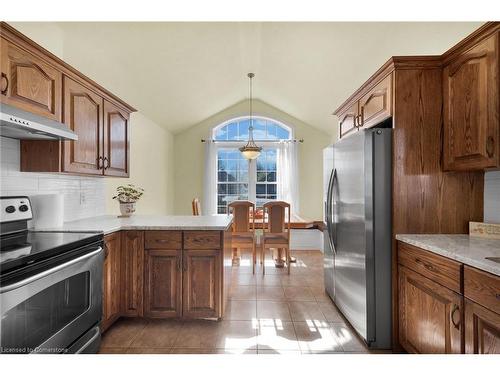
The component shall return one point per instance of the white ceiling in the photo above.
(181, 73)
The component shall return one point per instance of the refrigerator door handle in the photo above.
(329, 210)
(333, 204)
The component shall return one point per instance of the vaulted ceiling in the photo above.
(181, 73)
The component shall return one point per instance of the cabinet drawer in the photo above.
(444, 271)
(376, 105)
(163, 239)
(482, 287)
(199, 240)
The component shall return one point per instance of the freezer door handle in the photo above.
(330, 210)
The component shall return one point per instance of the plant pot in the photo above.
(127, 209)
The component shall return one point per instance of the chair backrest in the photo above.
(196, 207)
(275, 216)
(241, 215)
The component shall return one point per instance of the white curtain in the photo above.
(209, 203)
(288, 179)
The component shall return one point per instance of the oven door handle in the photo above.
(40, 275)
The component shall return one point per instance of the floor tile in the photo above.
(302, 311)
(123, 332)
(279, 351)
(237, 335)
(243, 279)
(292, 280)
(273, 310)
(269, 280)
(349, 341)
(298, 293)
(270, 293)
(198, 334)
(158, 333)
(316, 336)
(331, 313)
(193, 351)
(241, 310)
(277, 335)
(320, 294)
(243, 292)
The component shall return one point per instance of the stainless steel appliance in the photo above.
(357, 246)
(50, 286)
(19, 124)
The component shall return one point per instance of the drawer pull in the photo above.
(453, 311)
(178, 263)
(4, 91)
(497, 296)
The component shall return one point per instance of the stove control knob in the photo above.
(10, 209)
(23, 208)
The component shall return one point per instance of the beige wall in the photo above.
(189, 153)
(152, 157)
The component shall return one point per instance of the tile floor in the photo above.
(272, 314)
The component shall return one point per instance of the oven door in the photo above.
(50, 310)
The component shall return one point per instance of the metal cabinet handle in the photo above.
(99, 162)
(490, 146)
(106, 163)
(360, 118)
(4, 76)
(106, 250)
(452, 314)
(179, 263)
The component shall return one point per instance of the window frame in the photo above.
(252, 164)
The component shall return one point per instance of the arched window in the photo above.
(237, 178)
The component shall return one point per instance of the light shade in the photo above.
(250, 152)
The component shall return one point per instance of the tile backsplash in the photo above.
(492, 197)
(83, 196)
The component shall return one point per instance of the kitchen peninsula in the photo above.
(162, 266)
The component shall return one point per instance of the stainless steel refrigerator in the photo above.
(357, 235)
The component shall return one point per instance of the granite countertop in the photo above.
(460, 247)
(110, 223)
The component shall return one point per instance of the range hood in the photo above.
(19, 124)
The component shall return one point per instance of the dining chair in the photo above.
(243, 229)
(276, 230)
(195, 204)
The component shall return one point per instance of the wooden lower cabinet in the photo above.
(111, 280)
(202, 283)
(163, 284)
(132, 272)
(482, 329)
(429, 315)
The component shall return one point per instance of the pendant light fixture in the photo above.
(250, 151)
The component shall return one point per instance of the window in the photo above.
(238, 178)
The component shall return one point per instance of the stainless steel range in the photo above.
(50, 286)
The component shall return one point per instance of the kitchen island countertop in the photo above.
(112, 223)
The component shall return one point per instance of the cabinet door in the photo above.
(132, 272)
(347, 121)
(116, 141)
(163, 283)
(471, 113)
(83, 114)
(429, 315)
(29, 83)
(376, 105)
(201, 283)
(111, 280)
(482, 329)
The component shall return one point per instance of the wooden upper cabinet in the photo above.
(429, 315)
(29, 83)
(163, 284)
(83, 113)
(111, 280)
(471, 108)
(482, 330)
(202, 284)
(347, 121)
(376, 105)
(116, 141)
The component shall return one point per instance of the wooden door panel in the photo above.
(132, 272)
(116, 141)
(29, 83)
(471, 114)
(111, 279)
(163, 280)
(429, 315)
(83, 114)
(201, 283)
(482, 329)
(376, 105)
(347, 121)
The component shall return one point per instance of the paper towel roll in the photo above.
(48, 210)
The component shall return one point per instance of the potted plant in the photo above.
(127, 196)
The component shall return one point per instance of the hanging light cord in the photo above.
(251, 75)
